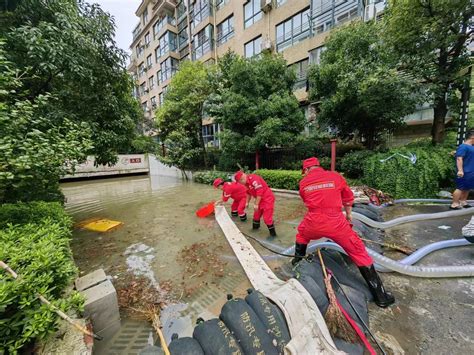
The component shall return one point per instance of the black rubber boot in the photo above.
(300, 252)
(234, 213)
(256, 224)
(382, 297)
(272, 230)
(243, 218)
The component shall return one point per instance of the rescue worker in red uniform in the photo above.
(237, 192)
(264, 199)
(325, 193)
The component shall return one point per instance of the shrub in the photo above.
(281, 179)
(402, 179)
(39, 252)
(208, 177)
(352, 164)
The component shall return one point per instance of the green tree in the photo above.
(33, 153)
(179, 119)
(254, 101)
(430, 37)
(65, 48)
(357, 85)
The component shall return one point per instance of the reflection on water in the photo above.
(157, 238)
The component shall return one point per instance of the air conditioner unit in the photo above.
(266, 45)
(266, 5)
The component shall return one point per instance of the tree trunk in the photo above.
(202, 144)
(440, 110)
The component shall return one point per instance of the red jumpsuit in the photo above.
(238, 193)
(324, 193)
(258, 187)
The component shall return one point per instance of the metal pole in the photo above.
(465, 95)
(257, 160)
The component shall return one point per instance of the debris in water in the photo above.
(139, 261)
(99, 225)
(444, 227)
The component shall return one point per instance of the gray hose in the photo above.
(412, 218)
(425, 200)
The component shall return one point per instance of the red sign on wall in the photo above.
(135, 160)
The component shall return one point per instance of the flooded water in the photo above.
(162, 240)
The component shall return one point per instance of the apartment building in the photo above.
(171, 31)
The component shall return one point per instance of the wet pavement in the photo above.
(190, 263)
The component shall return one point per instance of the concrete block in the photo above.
(101, 305)
(92, 279)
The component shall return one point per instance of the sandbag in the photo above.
(271, 316)
(349, 348)
(185, 346)
(216, 339)
(318, 295)
(253, 336)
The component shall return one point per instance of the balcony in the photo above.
(164, 5)
(201, 50)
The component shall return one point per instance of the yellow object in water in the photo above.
(101, 225)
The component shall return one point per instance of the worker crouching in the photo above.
(325, 193)
(264, 199)
(235, 191)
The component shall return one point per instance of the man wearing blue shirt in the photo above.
(465, 172)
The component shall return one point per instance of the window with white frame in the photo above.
(301, 70)
(252, 13)
(209, 134)
(141, 90)
(151, 82)
(225, 30)
(147, 39)
(153, 102)
(315, 55)
(145, 16)
(254, 47)
(161, 98)
(293, 30)
(139, 49)
(149, 62)
(141, 69)
(145, 106)
(202, 42)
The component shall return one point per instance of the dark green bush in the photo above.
(352, 164)
(281, 179)
(399, 177)
(39, 252)
(208, 177)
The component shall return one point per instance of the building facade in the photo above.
(171, 31)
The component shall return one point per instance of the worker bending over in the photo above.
(264, 199)
(325, 193)
(237, 192)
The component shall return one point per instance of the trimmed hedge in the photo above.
(208, 177)
(281, 179)
(39, 252)
(433, 169)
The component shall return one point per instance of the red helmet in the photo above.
(308, 163)
(218, 182)
(238, 175)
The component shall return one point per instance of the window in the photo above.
(147, 39)
(181, 8)
(225, 30)
(161, 23)
(209, 132)
(158, 77)
(253, 47)
(202, 42)
(199, 11)
(315, 55)
(145, 106)
(183, 37)
(221, 3)
(145, 17)
(293, 30)
(301, 69)
(153, 102)
(148, 62)
(168, 68)
(151, 82)
(280, 2)
(161, 98)
(252, 12)
(167, 43)
(139, 49)
(141, 90)
(141, 69)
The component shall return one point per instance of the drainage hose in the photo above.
(404, 266)
(425, 200)
(413, 218)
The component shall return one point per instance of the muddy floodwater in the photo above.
(189, 261)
